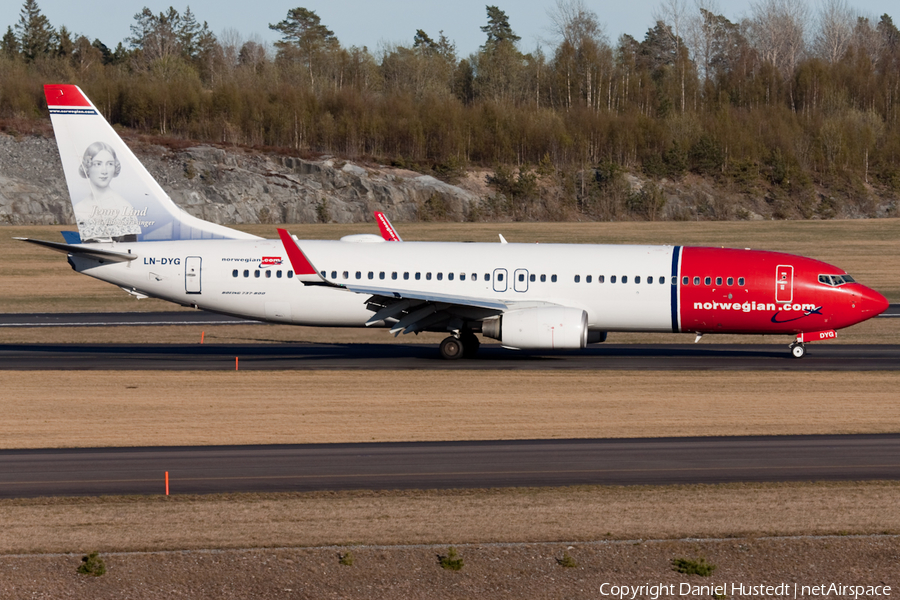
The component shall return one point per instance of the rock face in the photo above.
(232, 187)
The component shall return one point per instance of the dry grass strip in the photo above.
(121, 408)
(467, 516)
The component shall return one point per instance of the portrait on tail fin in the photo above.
(104, 214)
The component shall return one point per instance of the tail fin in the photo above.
(113, 195)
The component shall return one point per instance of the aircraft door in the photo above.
(192, 274)
(500, 283)
(784, 283)
(520, 280)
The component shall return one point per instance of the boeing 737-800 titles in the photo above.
(527, 296)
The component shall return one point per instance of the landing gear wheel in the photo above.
(798, 350)
(470, 344)
(451, 348)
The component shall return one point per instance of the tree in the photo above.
(35, 35)
(156, 36)
(778, 29)
(582, 55)
(64, 44)
(672, 13)
(9, 46)
(499, 63)
(835, 30)
(498, 30)
(304, 39)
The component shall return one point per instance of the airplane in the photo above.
(527, 296)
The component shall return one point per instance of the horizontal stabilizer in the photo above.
(83, 250)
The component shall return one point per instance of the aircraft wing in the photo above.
(408, 311)
(82, 249)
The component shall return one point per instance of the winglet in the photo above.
(303, 269)
(387, 230)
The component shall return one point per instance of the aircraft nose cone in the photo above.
(871, 302)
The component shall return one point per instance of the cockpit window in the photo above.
(835, 280)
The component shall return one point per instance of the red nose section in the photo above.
(872, 303)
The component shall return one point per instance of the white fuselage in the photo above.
(254, 278)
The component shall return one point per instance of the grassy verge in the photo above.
(145, 408)
(455, 516)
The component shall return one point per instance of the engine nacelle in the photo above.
(539, 328)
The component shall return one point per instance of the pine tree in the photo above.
(35, 35)
(498, 29)
(9, 46)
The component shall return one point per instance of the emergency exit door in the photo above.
(784, 283)
(192, 274)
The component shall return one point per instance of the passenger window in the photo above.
(675, 280)
(650, 279)
(268, 274)
(278, 273)
(381, 275)
(577, 278)
(474, 276)
(358, 275)
(521, 277)
(612, 278)
(449, 276)
(543, 278)
(334, 274)
(440, 276)
(394, 275)
(637, 278)
(322, 273)
(246, 273)
(406, 275)
(740, 281)
(290, 274)
(601, 278)
(531, 278)
(428, 276)
(235, 274)
(730, 281)
(587, 278)
(418, 276)
(256, 273)
(696, 281)
(487, 276)
(718, 281)
(371, 275)
(346, 275)
(624, 278)
(462, 276)
(553, 279)
(499, 276)
(707, 280)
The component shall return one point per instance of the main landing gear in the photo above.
(798, 350)
(465, 345)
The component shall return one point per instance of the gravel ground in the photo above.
(489, 571)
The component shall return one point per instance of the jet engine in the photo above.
(557, 327)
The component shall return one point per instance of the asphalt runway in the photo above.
(304, 356)
(444, 465)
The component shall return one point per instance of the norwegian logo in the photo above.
(270, 261)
